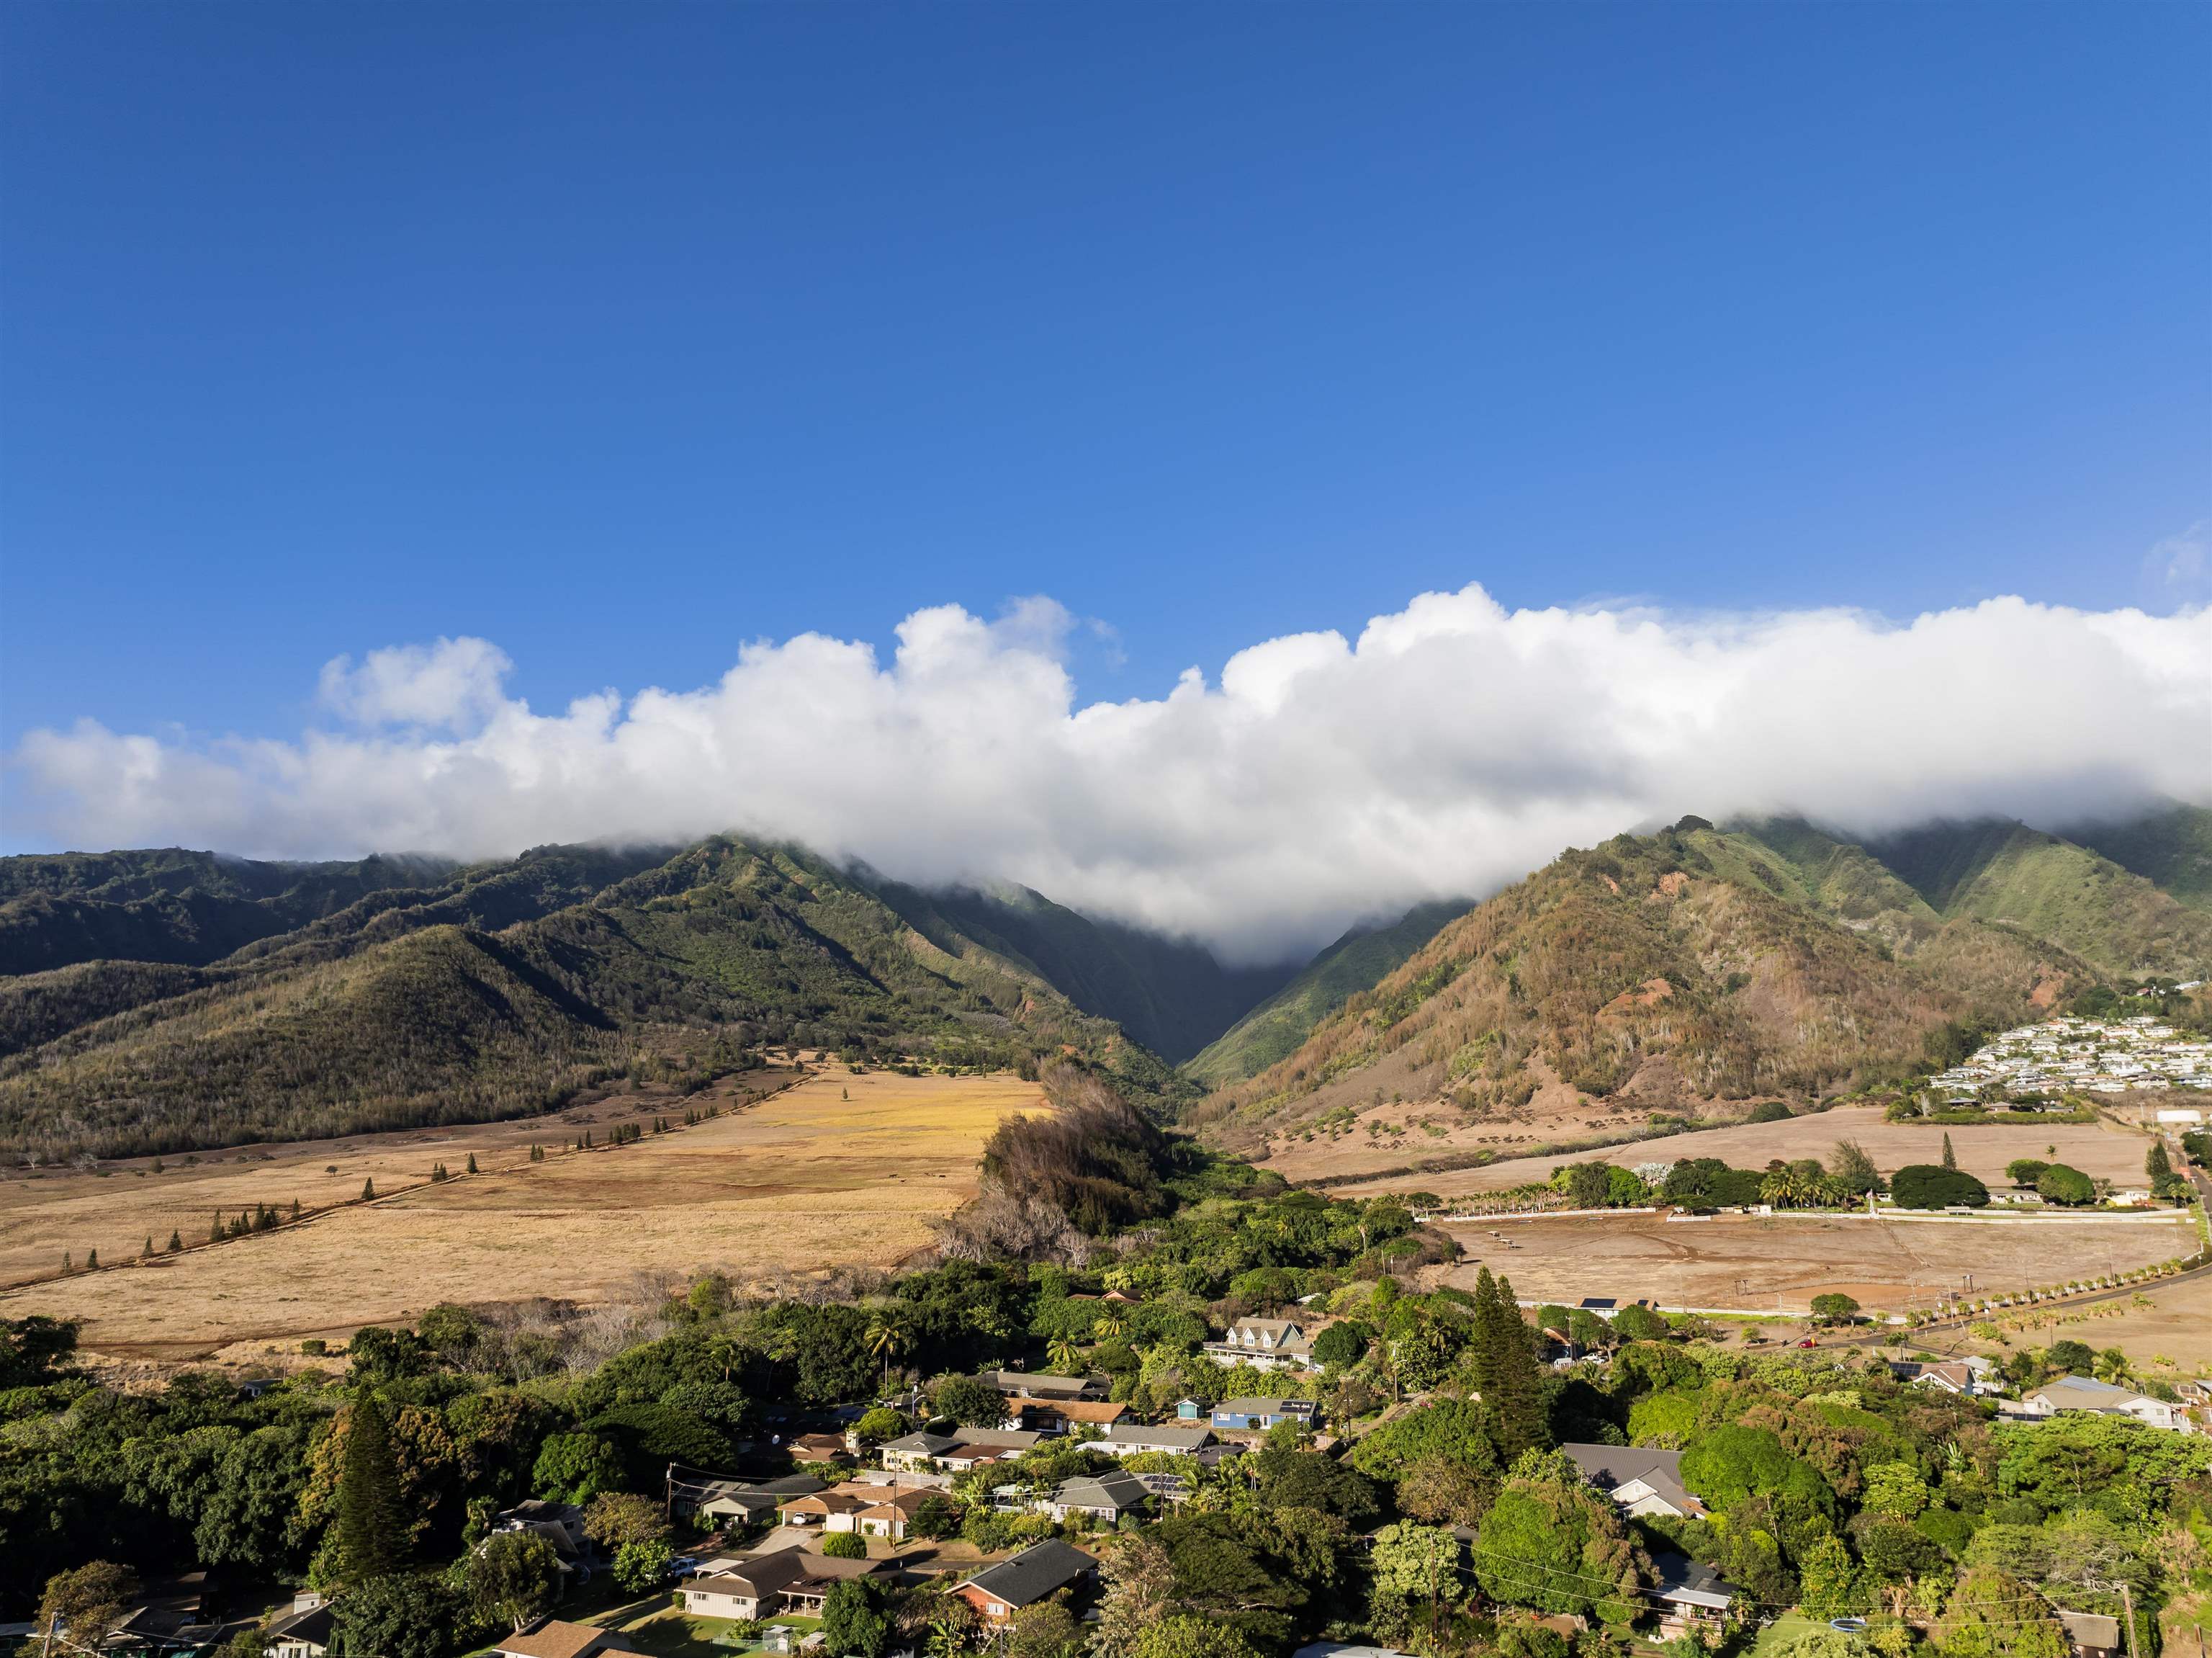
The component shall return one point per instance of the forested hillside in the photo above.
(2172, 847)
(1665, 971)
(505, 988)
(1169, 993)
(184, 908)
(2008, 872)
(1355, 962)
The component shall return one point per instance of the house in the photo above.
(889, 1516)
(1246, 1413)
(749, 1502)
(302, 1632)
(1689, 1592)
(832, 1511)
(2085, 1394)
(1643, 1481)
(819, 1448)
(2091, 1635)
(1035, 1574)
(555, 1639)
(168, 1616)
(561, 1524)
(1126, 1438)
(961, 1449)
(788, 1581)
(1019, 1384)
(1265, 1344)
(1061, 1415)
(1103, 1497)
(1968, 1376)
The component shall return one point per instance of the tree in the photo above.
(1444, 1492)
(1140, 1593)
(1505, 1368)
(2025, 1171)
(936, 1517)
(2060, 1184)
(1950, 1159)
(2156, 1164)
(1640, 1323)
(878, 1425)
(1418, 1568)
(844, 1545)
(643, 1566)
(852, 1625)
(406, 1615)
(1307, 1479)
(1185, 1636)
(1924, 1185)
(615, 1518)
(1992, 1614)
(1048, 1630)
(369, 1529)
(1588, 1185)
(368, 1190)
(1827, 1582)
(1894, 1490)
(576, 1468)
(512, 1577)
(1848, 1162)
(970, 1403)
(87, 1601)
(1835, 1308)
(1553, 1543)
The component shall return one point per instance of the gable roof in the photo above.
(1116, 1488)
(2089, 1629)
(1253, 1407)
(1685, 1581)
(559, 1639)
(313, 1624)
(758, 1578)
(1041, 1570)
(1043, 1387)
(1131, 1433)
(920, 1444)
(1612, 1466)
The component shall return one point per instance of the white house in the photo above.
(2082, 1393)
(1125, 1438)
(302, 1632)
(1265, 1344)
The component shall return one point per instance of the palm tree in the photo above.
(1109, 1327)
(887, 1339)
(1060, 1354)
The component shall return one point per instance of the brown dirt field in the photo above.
(2176, 1327)
(804, 1180)
(1752, 1263)
(2100, 1150)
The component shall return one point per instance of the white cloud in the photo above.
(1451, 747)
(2181, 563)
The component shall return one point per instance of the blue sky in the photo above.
(620, 335)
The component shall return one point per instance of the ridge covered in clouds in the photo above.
(1450, 748)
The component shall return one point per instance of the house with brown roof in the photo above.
(832, 1511)
(555, 1639)
(888, 1517)
(1059, 1416)
(789, 1580)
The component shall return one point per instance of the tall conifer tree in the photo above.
(1505, 1369)
(371, 1537)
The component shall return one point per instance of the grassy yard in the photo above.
(671, 1634)
(1790, 1626)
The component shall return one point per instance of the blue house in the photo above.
(1262, 1412)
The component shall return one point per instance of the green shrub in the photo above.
(1929, 1186)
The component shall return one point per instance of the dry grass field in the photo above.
(1778, 1264)
(836, 1169)
(2099, 1149)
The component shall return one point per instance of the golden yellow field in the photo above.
(838, 1169)
(2101, 1149)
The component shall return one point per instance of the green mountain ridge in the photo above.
(1664, 972)
(2171, 847)
(505, 988)
(1355, 962)
(1170, 995)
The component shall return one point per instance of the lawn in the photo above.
(1790, 1626)
(671, 1634)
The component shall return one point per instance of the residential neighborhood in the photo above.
(2078, 1055)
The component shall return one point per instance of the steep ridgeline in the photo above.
(1661, 972)
(186, 909)
(1169, 993)
(1356, 962)
(506, 988)
(2113, 918)
(2171, 847)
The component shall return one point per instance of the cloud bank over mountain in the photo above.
(1450, 748)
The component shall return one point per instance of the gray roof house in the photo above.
(2086, 1393)
(1035, 1574)
(1642, 1480)
(1104, 1497)
(1124, 1438)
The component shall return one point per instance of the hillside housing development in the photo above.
(2092, 1056)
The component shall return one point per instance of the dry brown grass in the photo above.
(2100, 1150)
(1752, 1263)
(803, 1179)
